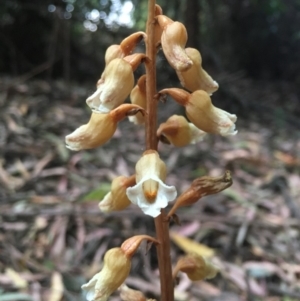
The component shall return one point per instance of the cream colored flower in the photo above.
(202, 113)
(150, 193)
(173, 40)
(209, 118)
(117, 199)
(115, 83)
(196, 78)
(179, 132)
(100, 128)
(114, 272)
(114, 86)
(196, 267)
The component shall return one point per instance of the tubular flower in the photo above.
(201, 187)
(115, 84)
(138, 97)
(202, 113)
(179, 132)
(151, 193)
(114, 272)
(117, 199)
(196, 78)
(100, 128)
(196, 267)
(173, 40)
(117, 264)
(125, 48)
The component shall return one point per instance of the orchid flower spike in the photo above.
(125, 48)
(115, 84)
(179, 132)
(150, 192)
(202, 113)
(201, 187)
(138, 97)
(114, 272)
(100, 128)
(117, 199)
(196, 78)
(173, 41)
(196, 267)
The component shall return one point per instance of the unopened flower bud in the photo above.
(196, 78)
(196, 267)
(114, 272)
(202, 113)
(128, 294)
(138, 97)
(100, 128)
(115, 84)
(125, 48)
(173, 41)
(179, 132)
(151, 193)
(117, 199)
(130, 245)
(201, 187)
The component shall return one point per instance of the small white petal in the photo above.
(226, 122)
(165, 194)
(94, 100)
(196, 134)
(90, 294)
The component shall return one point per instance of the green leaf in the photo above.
(98, 193)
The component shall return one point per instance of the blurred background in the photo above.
(52, 235)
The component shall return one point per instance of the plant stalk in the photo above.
(161, 223)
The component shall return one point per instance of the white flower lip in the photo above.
(90, 288)
(165, 194)
(97, 101)
(196, 134)
(227, 121)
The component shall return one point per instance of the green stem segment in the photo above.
(161, 223)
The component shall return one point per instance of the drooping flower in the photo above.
(196, 267)
(114, 272)
(115, 83)
(179, 132)
(196, 78)
(150, 193)
(117, 199)
(116, 267)
(201, 187)
(202, 113)
(100, 128)
(173, 41)
(138, 97)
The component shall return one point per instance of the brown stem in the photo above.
(161, 224)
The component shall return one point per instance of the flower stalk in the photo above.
(161, 224)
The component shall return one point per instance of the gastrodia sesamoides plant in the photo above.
(148, 188)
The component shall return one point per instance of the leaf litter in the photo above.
(53, 237)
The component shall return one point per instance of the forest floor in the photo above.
(53, 236)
